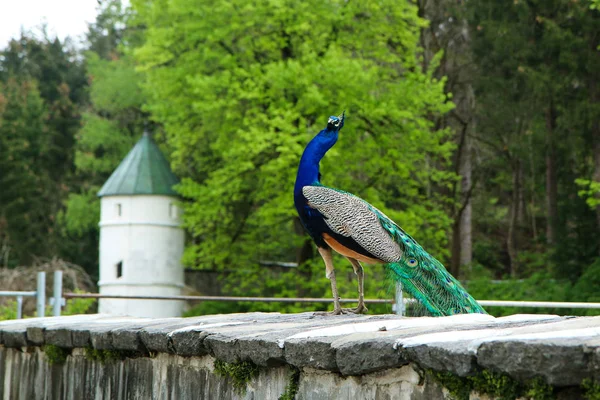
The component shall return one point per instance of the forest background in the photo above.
(473, 124)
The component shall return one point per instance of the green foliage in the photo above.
(42, 84)
(238, 114)
(459, 388)
(56, 355)
(308, 280)
(590, 191)
(82, 213)
(119, 89)
(591, 389)
(586, 287)
(111, 125)
(109, 31)
(538, 389)
(24, 210)
(108, 356)
(532, 122)
(496, 385)
(540, 286)
(72, 307)
(240, 373)
(292, 387)
(8, 311)
(78, 306)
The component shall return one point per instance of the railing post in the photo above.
(41, 294)
(399, 300)
(57, 302)
(19, 307)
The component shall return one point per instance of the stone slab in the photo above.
(454, 348)
(563, 353)
(362, 353)
(36, 332)
(523, 346)
(155, 338)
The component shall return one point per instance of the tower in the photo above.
(141, 241)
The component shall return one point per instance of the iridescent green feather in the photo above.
(425, 278)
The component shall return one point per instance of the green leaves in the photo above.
(26, 201)
(590, 191)
(115, 84)
(241, 92)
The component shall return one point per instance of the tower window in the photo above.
(172, 210)
(119, 267)
(118, 209)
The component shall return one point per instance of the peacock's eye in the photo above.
(412, 262)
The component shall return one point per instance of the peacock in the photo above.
(340, 221)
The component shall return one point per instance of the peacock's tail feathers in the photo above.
(426, 279)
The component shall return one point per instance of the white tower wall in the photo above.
(141, 245)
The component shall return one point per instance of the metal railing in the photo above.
(59, 299)
(537, 304)
(40, 295)
(398, 300)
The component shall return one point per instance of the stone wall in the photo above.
(302, 356)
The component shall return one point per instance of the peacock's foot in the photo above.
(361, 309)
(336, 311)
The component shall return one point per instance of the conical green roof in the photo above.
(144, 170)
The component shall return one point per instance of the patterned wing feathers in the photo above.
(350, 216)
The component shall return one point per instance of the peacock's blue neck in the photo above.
(308, 170)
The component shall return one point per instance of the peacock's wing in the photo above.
(352, 217)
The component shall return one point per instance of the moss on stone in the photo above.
(538, 389)
(591, 389)
(459, 388)
(292, 387)
(55, 354)
(497, 385)
(104, 356)
(240, 373)
(494, 384)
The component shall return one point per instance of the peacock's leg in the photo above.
(360, 273)
(330, 274)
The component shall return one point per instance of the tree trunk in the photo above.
(551, 183)
(513, 219)
(454, 266)
(532, 207)
(521, 198)
(595, 97)
(462, 241)
(448, 32)
(596, 177)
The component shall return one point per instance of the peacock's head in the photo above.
(336, 123)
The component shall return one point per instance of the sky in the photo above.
(63, 17)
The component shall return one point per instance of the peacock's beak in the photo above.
(341, 117)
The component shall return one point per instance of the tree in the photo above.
(41, 80)
(239, 99)
(448, 33)
(111, 124)
(25, 214)
(532, 57)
